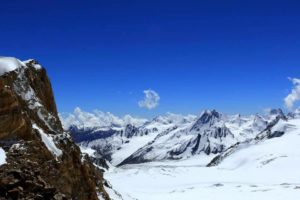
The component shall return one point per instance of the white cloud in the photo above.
(294, 96)
(96, 118)
(151, 100)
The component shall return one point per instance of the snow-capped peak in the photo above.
(207, 118)
(8, 64)
(275, 114)
(172, 118)
(277, 111)
(295, 114)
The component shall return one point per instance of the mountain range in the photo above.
(131, 140)
(47, 155)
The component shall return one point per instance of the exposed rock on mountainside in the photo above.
(206, 135)
(275, 128)
(42, 161)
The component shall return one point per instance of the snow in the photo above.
(273, 154)
(157, 139)
(87, 150)
(264, 170)
(2, 156)
(8, 64)
(246, 127)
(36, 66)
(122, 147)
(145, 182)
(48, 141)
(24, 90)
(129, 148)
(182, 137)
(97, 119)
(113, 195)
(282, 126)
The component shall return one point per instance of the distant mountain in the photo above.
(295, 114)
(97, 120)
(171, 136)
(256, 151)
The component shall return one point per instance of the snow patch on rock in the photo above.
(48, 141)
(2, 156)
(8, 64)
(36, 66)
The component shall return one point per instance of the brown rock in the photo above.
(32, 171)
(14, 194)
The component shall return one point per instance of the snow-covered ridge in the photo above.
(8, 64)
(166, 137)
(105, 120)
(97, 120)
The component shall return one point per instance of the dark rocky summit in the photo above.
(42, 161)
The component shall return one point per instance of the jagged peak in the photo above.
(208, 115)
(207, 119)
(276, 111)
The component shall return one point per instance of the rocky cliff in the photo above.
(42, 161)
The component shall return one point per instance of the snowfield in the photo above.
(266, 170)
(166, 158)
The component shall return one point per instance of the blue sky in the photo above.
(234, 56)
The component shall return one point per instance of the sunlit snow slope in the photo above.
(268, 169)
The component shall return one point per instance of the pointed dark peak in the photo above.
(130, 131)
(277, 111)
(278, 114)
(208, 116)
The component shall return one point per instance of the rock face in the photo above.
(43, 162)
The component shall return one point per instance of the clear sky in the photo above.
(234, 56)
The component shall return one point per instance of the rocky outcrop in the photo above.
(43, 162)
